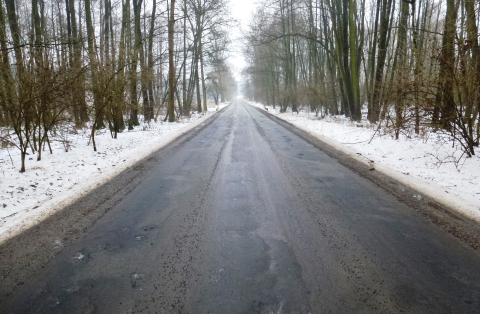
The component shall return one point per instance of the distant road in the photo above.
(247, 217)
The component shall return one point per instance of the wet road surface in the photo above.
(246, 217)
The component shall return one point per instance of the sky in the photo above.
(242, 11)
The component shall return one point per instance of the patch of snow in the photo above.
(62, 177)
(424, 162)
(79, 256)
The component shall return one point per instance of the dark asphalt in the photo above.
(247, 217)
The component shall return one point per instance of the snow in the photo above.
(428, 162)
(62, 177)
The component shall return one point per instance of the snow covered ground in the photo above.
(61, 178)
(426, 162)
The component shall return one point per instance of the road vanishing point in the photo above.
(243, 214)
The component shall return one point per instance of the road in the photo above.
(247, 217)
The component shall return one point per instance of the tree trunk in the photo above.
(204, 88)
(382, 54)
(445, 102)
(79, 89)
(171, 64)
(186, 107)
(399, 62)
(197, 75)
(371, 63)
(472, 31)
(150, 73)
(21, 111)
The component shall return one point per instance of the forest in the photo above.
(107, 64)
(410, 67)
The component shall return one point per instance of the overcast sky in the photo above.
(242, 11)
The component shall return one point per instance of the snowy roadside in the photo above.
(425, 164)
(62, 177)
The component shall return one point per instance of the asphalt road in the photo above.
(247, 217)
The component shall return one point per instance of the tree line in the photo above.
(410, 65)
(107, 64)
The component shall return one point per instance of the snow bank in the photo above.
(425, 162)
(61, 178)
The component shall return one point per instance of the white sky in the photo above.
(242, 11)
